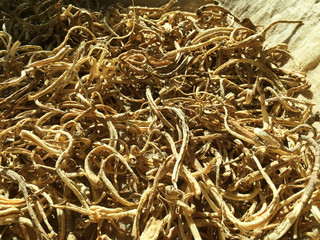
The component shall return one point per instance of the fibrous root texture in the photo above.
(151, 123)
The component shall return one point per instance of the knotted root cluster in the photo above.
(150, 123)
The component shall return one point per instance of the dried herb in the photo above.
(147, 123)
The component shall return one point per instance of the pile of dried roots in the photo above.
(145, 123)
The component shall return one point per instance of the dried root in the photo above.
(146, 123)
